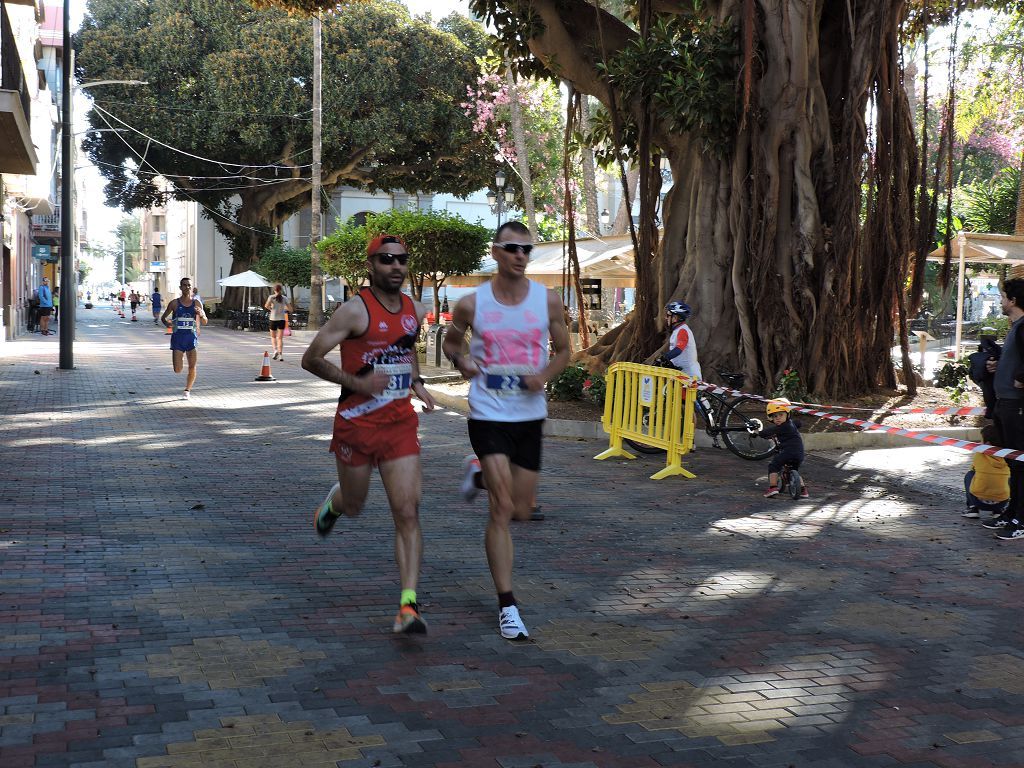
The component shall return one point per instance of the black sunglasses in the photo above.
(391, 258)
(513, 247)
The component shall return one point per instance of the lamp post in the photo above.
(503, 198)
(66, 322)
(605, 218)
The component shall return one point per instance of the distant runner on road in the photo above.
(508, 365)
(187, 312)
(158, 303)
(375, 424)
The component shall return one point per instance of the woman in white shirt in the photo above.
(278, 308)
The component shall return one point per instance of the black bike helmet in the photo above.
(678, 309)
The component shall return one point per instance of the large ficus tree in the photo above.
(226, 114)
(790, 225)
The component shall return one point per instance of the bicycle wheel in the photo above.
(737, 438)
(641, 447)
(794, 484)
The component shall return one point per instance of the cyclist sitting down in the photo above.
(682, 349)
(786, 434)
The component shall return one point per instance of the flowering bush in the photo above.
(577, 383)
(790, 386)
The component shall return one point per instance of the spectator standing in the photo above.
(45, 296)
(1009, 411)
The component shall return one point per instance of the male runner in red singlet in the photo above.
(375, 424)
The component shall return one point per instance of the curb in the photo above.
(817, 441)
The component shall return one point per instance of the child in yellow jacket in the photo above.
(988, 482)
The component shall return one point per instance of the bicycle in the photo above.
(789, 480)
(729, 418)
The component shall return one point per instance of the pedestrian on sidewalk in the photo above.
(513, 318)
(56, 304)
(375, 424)
(278, 308)
(1009, 412)
(45, 297)
(187, 312)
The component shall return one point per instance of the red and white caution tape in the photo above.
(870, 426)
(942, 411)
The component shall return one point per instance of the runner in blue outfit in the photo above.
(187, 313)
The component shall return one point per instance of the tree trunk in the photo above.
(1018, 226)
(589, 180)
(766, 244)
(522, 153)
(620, 226)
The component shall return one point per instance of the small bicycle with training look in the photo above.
(729, 417)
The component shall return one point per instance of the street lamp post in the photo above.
(605, 218)
(502, 199)
(66, 321)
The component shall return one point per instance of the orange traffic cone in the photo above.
(265, 370)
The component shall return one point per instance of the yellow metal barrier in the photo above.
(653, 406)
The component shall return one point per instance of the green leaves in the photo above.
(440, 245)
(288, 266)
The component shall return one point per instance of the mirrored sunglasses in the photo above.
(513, 247)
(391, 258)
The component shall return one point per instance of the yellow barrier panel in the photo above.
(653, 406)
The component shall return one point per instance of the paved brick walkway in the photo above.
(164, 602)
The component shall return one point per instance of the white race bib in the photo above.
(399, 380)
(507, 380)
(185, 324)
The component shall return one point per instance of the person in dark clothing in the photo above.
(1009, 411)
(786, 433)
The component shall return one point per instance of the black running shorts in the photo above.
(519, 440)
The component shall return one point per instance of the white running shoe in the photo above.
(511, 624)
(187, 395)
(471, 468)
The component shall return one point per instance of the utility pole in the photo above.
(66, 323)
(316, 307)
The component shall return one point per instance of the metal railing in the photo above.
(50, 222)
(12, 75)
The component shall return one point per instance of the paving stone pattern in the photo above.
(165, 603)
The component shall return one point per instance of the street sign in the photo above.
(44, 253)
(158, 266)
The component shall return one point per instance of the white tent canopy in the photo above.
(247, 279)
(979, 248)
(609, 259)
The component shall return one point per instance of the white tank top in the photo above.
(507, 343)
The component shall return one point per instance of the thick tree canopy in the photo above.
(440, 244)
(226, 117)
(772, 116)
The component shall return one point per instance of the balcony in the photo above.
(46, 229)
(17, 154)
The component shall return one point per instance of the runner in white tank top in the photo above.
(508, 365)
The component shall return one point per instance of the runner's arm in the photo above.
(419, 388)
(455, 337)
(171, 306)
(559, 346)
(345, 322)
(201, 312)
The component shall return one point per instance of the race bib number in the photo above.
(399, 380)
(185, 324)
(507, 380)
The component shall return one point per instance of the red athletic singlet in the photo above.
(388, 345)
